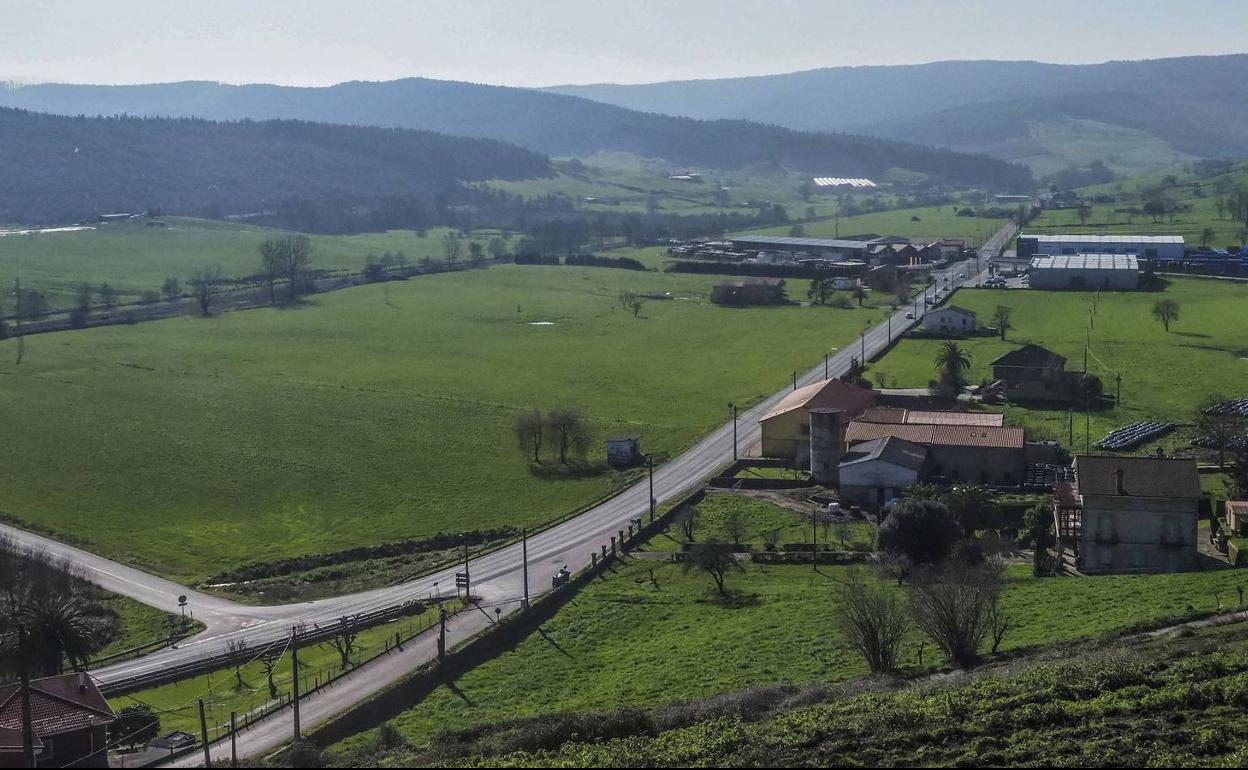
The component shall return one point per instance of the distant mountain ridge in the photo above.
(550, 123)
(1197, 105)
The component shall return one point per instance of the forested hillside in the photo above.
(545, 122)
(317, 176)
(1196, 105)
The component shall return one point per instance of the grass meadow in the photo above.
(1165, 375)
(134, 258)
(192, 446)
(648, 634)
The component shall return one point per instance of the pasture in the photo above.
(1165, 375)
(373, 414)
(132, 257)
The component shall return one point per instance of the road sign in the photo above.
(461, 579)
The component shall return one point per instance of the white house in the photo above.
(950, 320)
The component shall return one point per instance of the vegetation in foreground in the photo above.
(193, 446)
(1169, 701)
(649, 634)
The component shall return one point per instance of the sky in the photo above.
(549, 42)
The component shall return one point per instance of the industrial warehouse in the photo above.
(1145, 246)
(1112, 272)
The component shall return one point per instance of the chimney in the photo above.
(82, 682)
(1122, 490)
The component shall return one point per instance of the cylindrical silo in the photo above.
(826, 443)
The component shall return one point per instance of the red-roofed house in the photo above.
(786, 426)
(70, 719)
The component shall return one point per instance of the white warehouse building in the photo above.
(1142, 246)
(1112, 272)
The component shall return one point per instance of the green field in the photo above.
(139, 624)
(1164, 375)
(648, 634)
(133, 257)
(372, 414)
(918, 224)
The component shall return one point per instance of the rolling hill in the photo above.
(549, 123)
(57, 169)
(1195, 106)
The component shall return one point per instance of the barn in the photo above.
(1112, 272)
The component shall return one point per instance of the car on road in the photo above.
(910, 316)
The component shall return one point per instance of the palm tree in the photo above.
(952, 361)
(59, 631)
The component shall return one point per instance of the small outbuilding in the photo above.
(623, 452)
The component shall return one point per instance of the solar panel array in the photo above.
(837, 181)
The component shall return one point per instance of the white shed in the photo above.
(874, 472)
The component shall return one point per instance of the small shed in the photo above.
(623, 452)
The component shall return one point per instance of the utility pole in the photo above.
(294, 662)
(733, 407)
(441, 634)
(467, 576)
(794, 380)
(524, 555)
(203, 734)
(650, 466)
(826, 356)
(28, 726)
(233, 742)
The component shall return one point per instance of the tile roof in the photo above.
(828, 394)
(1029, 355)
(1141, 476)
(59, 704)
(939, 435)
(11, 740)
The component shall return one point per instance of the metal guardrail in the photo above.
(301, 638)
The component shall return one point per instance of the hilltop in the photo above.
(550, 123)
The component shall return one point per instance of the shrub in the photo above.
(920, 530)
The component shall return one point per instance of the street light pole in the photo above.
(733, 407)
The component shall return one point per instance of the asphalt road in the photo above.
(496, 577)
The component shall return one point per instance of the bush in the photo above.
(78, 318)
(922, 531)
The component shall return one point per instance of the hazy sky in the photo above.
(545, 42)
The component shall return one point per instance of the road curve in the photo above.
(496, 576)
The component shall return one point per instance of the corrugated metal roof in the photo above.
(895, 416)
(1124, 239)
(1086, 262)
(939, 435)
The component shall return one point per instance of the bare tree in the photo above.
(716, 559)
(272, 264)
(1218, 426)
(296, 259)
(84, 294)
(872, 620)
(206, 286)
(108, 295)
(952, 605)
(999, 623)
(172, 289)
(529, 432)
(343, 641)
(236, 650)
(688, 520)
(269, 659)
(1001, 319)
(735, 526)
(571, 430)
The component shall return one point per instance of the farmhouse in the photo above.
(950, 320)
(1112, 272)
(786, 428)
(70, 717)
(750, 291)
(623, 452)
(980, 454)
(1142, 246)
(875, 472)
(1032, 373)
(1129, 514)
